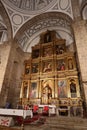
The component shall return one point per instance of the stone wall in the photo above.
(4, 55)
(80, 32)
(12, 75)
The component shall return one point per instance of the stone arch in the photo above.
(83, 8)
(34, 23)
(6, 19)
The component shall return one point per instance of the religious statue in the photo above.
(72, 87)
(47, 37)
(70, 64)
(46, 94)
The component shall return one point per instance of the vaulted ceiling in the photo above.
(25, 20)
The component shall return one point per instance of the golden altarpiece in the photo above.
(51, 76)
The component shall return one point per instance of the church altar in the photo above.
(6, 115)
(16, 112)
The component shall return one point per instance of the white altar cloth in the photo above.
(52, 108)
(16, 112)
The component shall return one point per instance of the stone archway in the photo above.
(6, 20)
(29, 33)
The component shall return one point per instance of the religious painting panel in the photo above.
(47, 51)
(33, 90)
(35, 67)
(62, 88)
(47, 66)
(61, 65)
(35, 53)
(60, 49)
(27, 69)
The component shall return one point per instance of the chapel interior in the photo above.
(43, 54)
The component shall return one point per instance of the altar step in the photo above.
(57, 123)
(66, 123)
(7, 128)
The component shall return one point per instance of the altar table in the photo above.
(6, 115)
(16, 112)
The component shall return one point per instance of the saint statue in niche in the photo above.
(72, 86)
(25, 92)
(47, 37)
(46, 94)
(70, 64)
(25, 86)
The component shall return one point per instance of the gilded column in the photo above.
(28, 90)
(56, 87)
(21, 92)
